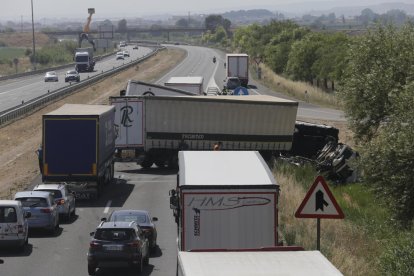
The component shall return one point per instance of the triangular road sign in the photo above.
(319, 202)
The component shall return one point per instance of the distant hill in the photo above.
(248, 16)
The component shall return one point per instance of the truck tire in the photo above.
(160, 163)
(147, 163)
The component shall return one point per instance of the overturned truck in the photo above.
(153, 129)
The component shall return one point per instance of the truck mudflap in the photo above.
(87, 190)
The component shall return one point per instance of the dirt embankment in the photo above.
(20, 140)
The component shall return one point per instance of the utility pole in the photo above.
(34, 47)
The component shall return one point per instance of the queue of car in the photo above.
(126, 236)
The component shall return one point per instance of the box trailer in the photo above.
(225, 200)
(156, 128)
(238, 66)
(247, 263)
(78, 147)
(140, 88)
(190, 84)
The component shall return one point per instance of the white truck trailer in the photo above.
(190, 84)
(156, 128)
(248, 263)
(225, 200)
(238, 66)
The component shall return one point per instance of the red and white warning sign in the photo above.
(319, 202)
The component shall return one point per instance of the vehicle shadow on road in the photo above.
(118, 192)
(156, 253)
(12, 252)
(152, 170)
(124, 271)
(41, 233)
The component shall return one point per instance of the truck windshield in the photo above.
(81, 59)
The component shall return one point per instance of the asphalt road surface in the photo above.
(14, 91)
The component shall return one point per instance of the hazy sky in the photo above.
(16, 9)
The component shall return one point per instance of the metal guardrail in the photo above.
(34, 104)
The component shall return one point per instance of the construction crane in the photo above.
(85, 33)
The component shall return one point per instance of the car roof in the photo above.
(51, 72)
(9, 202)
(117, 224)
(48, 187)
(32, 194)
(71, 71)
(130, 212)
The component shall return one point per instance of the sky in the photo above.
(17, 10)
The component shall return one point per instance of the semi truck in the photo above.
(225, 200)
(270, 262)
(78, 147)
(84, 60)
(190, 84)
(140, 88)
(154, 129)
(238, 67)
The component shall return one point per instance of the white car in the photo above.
(14, 227)
(61, 194)
(120, 55)
(51, 76)
(126, 53)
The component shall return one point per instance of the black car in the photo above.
(118, 242)
(72, 75)
(143, 219)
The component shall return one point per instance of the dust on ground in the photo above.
(20, 140)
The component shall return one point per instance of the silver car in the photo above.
(51, 76)
(62, 195)
(43, 209)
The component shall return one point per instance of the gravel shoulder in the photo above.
(20, 140)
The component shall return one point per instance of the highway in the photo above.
(14, 91)
(135, 188)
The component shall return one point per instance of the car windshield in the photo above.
(114, 234)
(33, 201)
(71, 72)
(54, 193)
(138, 218)
(51, 73)
(7, 214)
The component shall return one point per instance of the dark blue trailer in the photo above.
(78, 147)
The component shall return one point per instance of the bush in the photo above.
(398, 258)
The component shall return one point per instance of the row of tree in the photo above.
(295, 51)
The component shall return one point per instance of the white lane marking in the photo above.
(108, 204)
(254, 90)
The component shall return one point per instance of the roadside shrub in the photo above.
(398, 258)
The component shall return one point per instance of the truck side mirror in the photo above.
(122, 93)
(173, 202)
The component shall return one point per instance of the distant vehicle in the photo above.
(72, 75)
(60, 192)
(14, 227)
(135, 47)
(43, 209)
(120, 55)
(231, 83)
(121, 242)
(238, 66)
(122, 44)
(51, 76)
(143, 219)
(84, 60)
(126, 53)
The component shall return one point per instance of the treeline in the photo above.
(296, 52)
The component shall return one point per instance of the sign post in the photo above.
(318, 203)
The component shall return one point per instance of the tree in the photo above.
(182, 23)
(213, 21)
(380, 65)
(122, 26)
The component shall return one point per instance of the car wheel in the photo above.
(74, 211)
(91, 269)
(69, 215)
(140, 266)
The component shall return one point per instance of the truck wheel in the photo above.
(160, 163)
(146, 164)
(91, 269)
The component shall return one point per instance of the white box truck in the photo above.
(248, 263)
(190, 84)
(156, 128)
(238, 67)
(225, 200)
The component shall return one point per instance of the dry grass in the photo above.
(19, 140)
(24, 40)
(297, 89)
(343, 243)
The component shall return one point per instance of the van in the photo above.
(14, 227)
